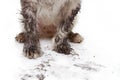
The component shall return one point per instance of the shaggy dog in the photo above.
(48, 19)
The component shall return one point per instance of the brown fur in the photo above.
(48, 19)
(47, 31)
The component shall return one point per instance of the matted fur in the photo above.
(48, 18)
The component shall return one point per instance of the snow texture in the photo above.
(96, 58)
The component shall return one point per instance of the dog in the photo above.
(48, 19)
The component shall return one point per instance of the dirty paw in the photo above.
(20, 38)
(32, 52)
(63, 48)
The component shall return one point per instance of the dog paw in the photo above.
(20, 38)
(32, 52)
(63, 48)
(75, 38)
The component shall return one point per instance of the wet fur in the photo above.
(51, 19)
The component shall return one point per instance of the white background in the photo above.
(98, 23)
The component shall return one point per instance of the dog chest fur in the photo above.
(51, 12)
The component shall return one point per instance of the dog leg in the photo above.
(31, 45)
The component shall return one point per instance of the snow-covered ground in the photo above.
(97, 58)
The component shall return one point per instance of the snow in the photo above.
(96, 58)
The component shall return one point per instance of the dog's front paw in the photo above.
(63, 48)
(32, 52)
